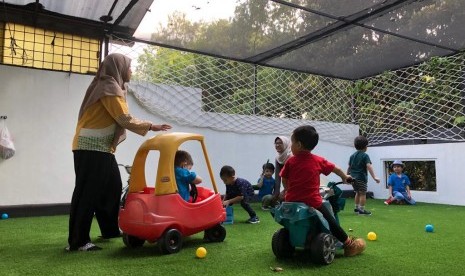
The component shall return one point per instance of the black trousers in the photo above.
(334, 226)
(97, 191)
(245, 204)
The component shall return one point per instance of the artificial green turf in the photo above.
(35, 246)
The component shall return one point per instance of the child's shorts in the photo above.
(360, 186)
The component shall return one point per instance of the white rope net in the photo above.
(425, 103)
(184, 106)
(420, 102)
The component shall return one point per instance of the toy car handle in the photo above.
(193, 192)
(332, 184)
(127, 167)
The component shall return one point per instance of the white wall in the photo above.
(42, 108)
(450, 170)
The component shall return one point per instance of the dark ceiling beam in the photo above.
(56, 22)
(112, 7)
(341, 23)
(382, 9)
(125, 12)
(153, 43)
(122, 16)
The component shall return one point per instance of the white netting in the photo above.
(184, 105)
(424, 103)
(420, 102)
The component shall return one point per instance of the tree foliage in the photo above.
(427, 97)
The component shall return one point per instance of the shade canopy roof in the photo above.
(348, 39)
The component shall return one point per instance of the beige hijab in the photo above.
(108, 82)
(282, 157)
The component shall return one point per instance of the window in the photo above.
(422, 174)
(38, 48)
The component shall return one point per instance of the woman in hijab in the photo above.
(282, 145)
(102, 122)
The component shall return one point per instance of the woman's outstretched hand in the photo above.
(163, 127)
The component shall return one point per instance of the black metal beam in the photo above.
(125, 12)
(341, 23)
(57, 22)
(153, 43)
(112, 7)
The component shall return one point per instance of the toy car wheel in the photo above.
(215, 234)
(131, 241)
(281, 244)
(323, 249)
(170, 242)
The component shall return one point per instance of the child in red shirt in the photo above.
(301, 181)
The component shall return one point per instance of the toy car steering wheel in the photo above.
(193, 192)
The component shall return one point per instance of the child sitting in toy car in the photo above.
(184, 177)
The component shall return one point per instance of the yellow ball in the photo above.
(201, 252)
(371, 236)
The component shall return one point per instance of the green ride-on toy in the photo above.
(333, 194)
(305, 227)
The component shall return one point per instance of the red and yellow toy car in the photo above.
(159, 214)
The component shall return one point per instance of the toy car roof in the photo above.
(167, 144)
(169, 141)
